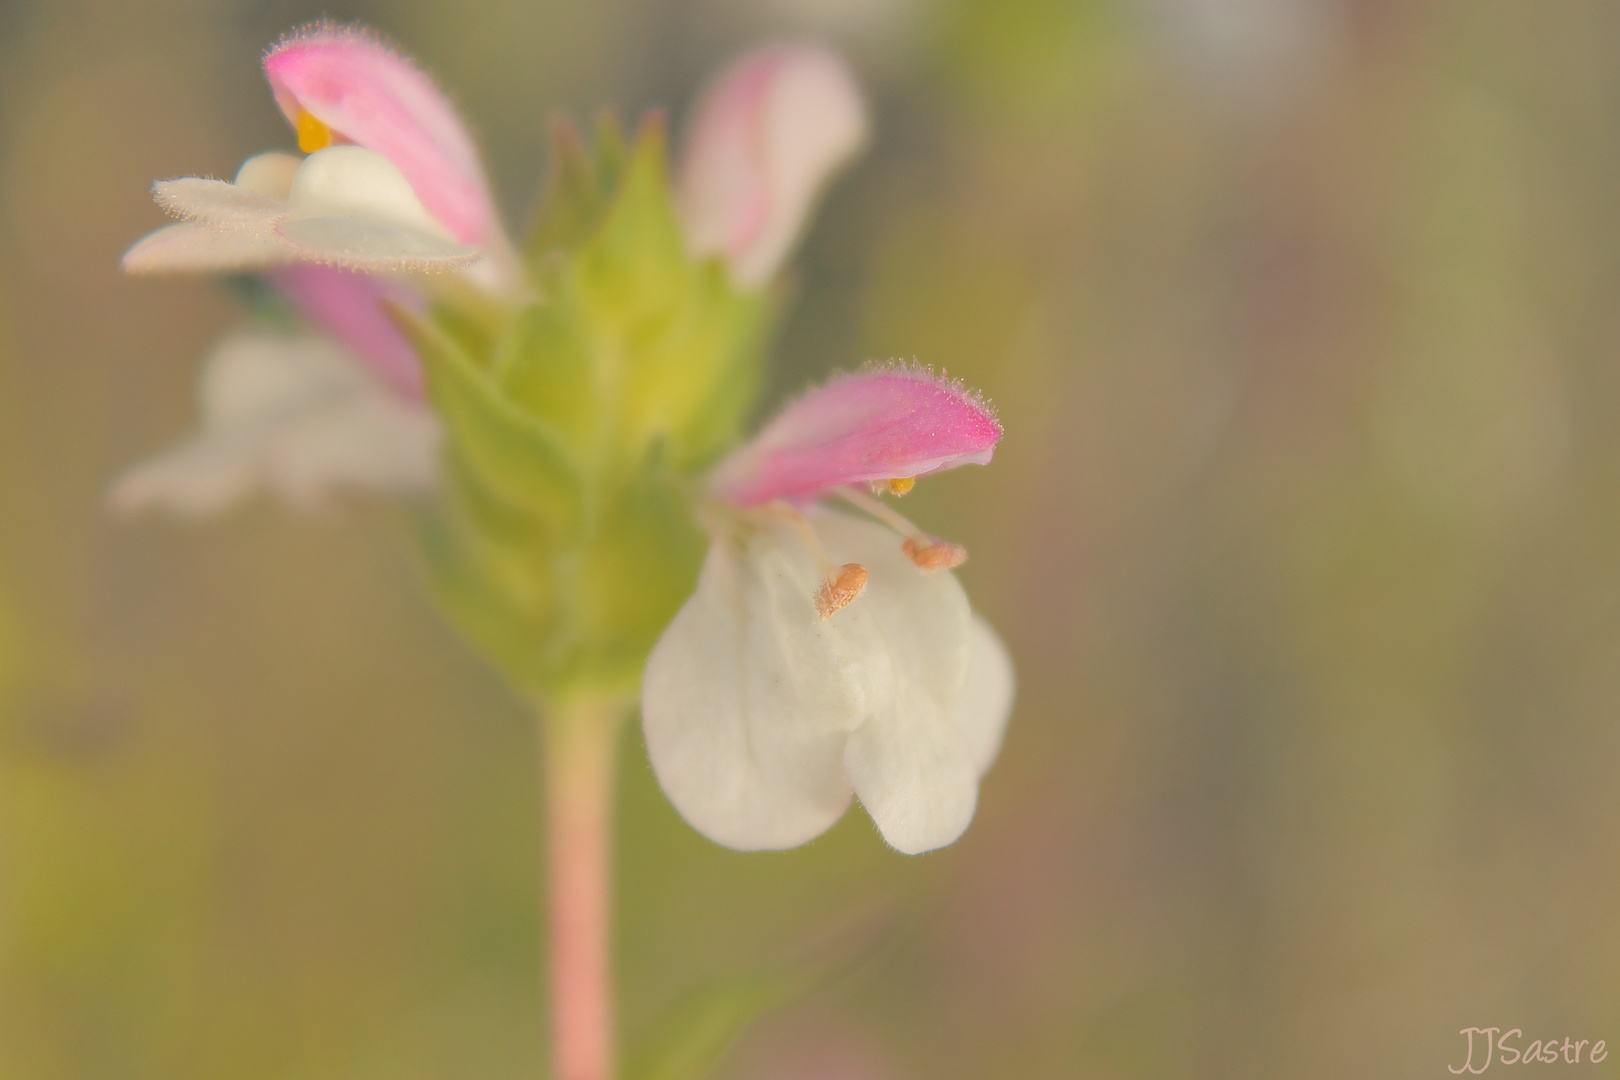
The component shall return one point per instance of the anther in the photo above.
(934, 554)
(839, 589)
(928, 552)
(902, 484)
(313, 135)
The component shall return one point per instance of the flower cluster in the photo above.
(574, 403)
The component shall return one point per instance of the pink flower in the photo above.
(823, 655)
(392, 186)
(339, 84)
(771, 131)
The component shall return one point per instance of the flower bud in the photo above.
(771, 131)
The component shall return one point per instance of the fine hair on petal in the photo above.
(916, 369)
(331, 29)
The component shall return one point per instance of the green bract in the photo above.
(576, 425)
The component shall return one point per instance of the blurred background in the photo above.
(1302, 319)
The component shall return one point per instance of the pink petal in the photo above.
(348, 306)
(372, 96)
(878, 425)
(770, 132)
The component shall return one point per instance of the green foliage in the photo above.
(690, 1039)
(580, 186)
(577, 428)
(512, 456)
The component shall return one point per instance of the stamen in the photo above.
(902, 484)
(928, 552)
(313, 135)
(837, 592)
(882, 511)
(787, 512)
(840, 585)
(939, 555)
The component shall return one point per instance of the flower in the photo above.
(392, 208)
(339, 84)
(823, 654)
(771, 131)
(577, 395)
(391, 189)
(292, 414)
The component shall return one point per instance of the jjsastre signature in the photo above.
(1541, 1050)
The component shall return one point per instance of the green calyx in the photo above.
(577, 424)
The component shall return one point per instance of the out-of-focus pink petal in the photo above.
(370, 95)
(877, 425)
(348, 306)
(772, 129)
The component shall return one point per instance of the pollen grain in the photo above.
(838, 590)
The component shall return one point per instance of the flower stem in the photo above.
(578, 741)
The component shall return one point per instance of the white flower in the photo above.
(294, 415)
(763, 716)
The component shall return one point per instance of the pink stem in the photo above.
(579, 746)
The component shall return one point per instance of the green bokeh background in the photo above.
(1302, 319)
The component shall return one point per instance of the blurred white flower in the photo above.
(292, 415)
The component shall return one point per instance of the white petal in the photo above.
(372, 244)
(187, 247)
(226, 228)
(345, 206)
(744, 701)
(216, 202)
(353, 180)
(352, 207)
(982, 708)
(913, 774)
(295, 416)
(909, 762)
(923, 616)
(269, 174)
(751, 703)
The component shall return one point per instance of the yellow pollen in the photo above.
(902, 484)
(934, 554)
(840, 588)
(312, 134)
